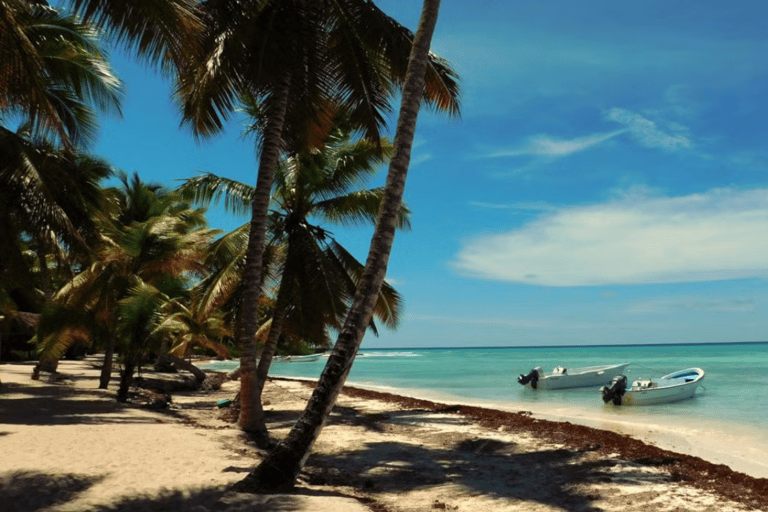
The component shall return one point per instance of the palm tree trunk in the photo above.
(281, 467)
(106, 367)
(183, 364)
(260, 433)
(249, 321)
(126, 376)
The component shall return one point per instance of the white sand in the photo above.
(70, 447)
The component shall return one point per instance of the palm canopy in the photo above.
(151, 245)
(48, 199)
(162, 32)
(318, 273)
(53, 74)
(326, 52)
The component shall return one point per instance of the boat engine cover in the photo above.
(615, 390)
(532, 377)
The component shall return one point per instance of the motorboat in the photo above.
(298, 359)
(669, 388)
(561, 377)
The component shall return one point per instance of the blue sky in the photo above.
(606, 182)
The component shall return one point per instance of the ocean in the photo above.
(726, 422)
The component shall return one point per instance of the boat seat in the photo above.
(643, 383)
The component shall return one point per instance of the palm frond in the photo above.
(210, 189)
(164, 33)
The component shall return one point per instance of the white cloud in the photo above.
(544, 145)
(648, 133)
(636, 239)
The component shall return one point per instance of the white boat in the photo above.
(298, 359)
(669, 388)
(562, 377)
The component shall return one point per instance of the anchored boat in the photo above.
(297, 359)
(562, 377)
(669, 388)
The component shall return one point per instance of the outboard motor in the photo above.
(615, 390)
(532, 377)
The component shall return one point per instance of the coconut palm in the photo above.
(152, 241)
(299, 58)
(317, 276)
(184, 326)
(53, 73)
(48, 197)
(281, 467)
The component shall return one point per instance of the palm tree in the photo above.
(52, 72)
(318, 277)
(152, 244)
(189, 326)
(48, 198)
(281, 467)
(299, 58)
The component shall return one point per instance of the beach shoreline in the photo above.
(379, 451)
(739, 447)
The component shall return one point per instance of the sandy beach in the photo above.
(68, 446)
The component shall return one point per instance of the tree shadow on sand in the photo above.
(481, 465)
(26, 491)
(218, 499)
(62, 405)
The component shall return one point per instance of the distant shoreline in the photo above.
(498, 347)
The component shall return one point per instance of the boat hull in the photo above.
(581, 377)
(674, 387)
(297, 359)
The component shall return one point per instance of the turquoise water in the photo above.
(732, 407)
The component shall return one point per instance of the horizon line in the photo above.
(698, 343)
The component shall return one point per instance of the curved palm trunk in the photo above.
(249, 321)
(262, 371)
(183, 364)
(281, 467)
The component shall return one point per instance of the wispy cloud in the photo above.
(535, 206)
(651, 130)
(648, 133)
(547, 146)
(420, 158)
(700, 237)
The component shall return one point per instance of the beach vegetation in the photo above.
(152, 246)
(282, 465)
(298, 58)
(54, 81)
(54, 75)
(48, 197)
(315, 276)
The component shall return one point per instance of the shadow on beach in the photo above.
(479, 466)
(408, 449)
(61, 405)
(25, 491)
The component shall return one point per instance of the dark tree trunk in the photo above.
(282, 466)
(106, 367)
(260, 433)
(126, 377)
(248, 322)
(183, 364)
